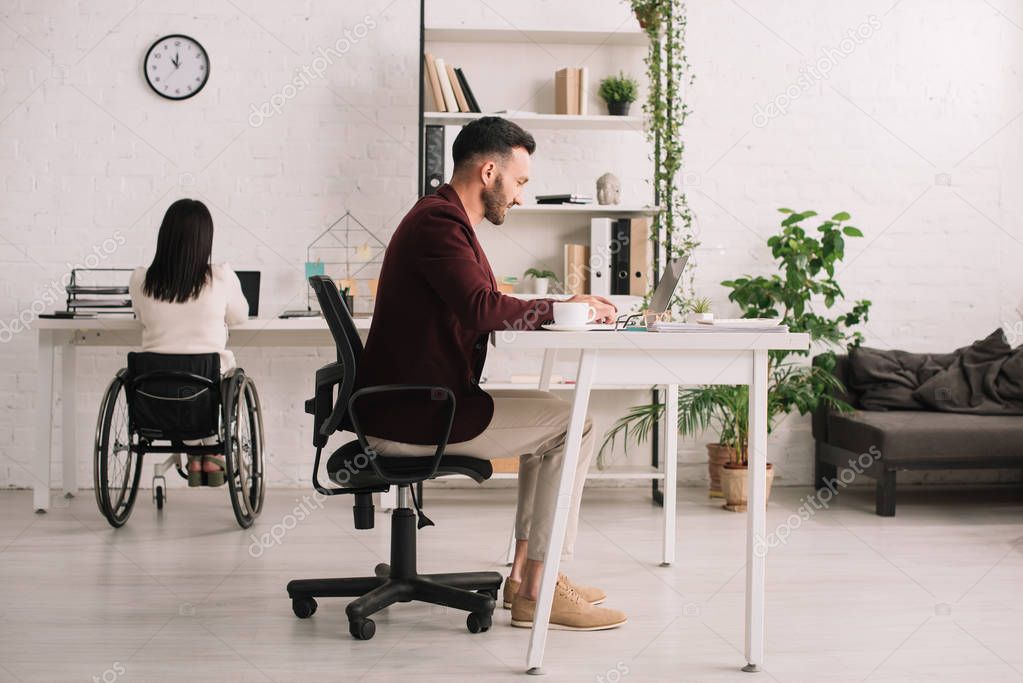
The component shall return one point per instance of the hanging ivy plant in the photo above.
(668, 74)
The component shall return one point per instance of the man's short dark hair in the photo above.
(489, 135)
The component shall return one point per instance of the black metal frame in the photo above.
(398, 581)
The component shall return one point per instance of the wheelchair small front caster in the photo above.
(362, 629)
(159, 497)
(478, 623)
(303, 607)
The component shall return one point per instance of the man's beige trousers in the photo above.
(531, 425)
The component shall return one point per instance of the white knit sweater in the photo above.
(196, 326)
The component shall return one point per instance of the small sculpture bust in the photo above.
(609, 189)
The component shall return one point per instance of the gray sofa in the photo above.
(907, 440)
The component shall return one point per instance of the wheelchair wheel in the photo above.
(243, 449)
(116, 469)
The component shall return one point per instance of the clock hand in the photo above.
(176, 62)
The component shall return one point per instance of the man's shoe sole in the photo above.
(507, 605)
(562, 627)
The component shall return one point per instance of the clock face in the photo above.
(177, 67)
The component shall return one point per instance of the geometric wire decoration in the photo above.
(350, 255)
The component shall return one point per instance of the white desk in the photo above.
(670, 359)
(68, 335)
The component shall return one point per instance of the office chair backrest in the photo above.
(173, 396)
(338, 317)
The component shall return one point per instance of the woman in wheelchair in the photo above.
(185, 305)
(184, 392)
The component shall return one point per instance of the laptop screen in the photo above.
(667, 285)
(250, 288)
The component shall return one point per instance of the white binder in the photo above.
(600, 256)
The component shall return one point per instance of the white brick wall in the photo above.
(916, 131)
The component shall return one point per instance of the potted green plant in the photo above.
(619, 92)
(541, 280)
(806, 262)
(699, 310)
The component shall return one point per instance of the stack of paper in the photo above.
(723, 325)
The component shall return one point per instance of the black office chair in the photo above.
(153, 406)
(359, 472)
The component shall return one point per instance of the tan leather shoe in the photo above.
(568, 613)
(592, 595)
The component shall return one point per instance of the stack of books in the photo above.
(450, 89)
(571, 91)
(564, 198)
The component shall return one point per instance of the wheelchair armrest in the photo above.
(435, 392)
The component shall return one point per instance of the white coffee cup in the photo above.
(573, 313)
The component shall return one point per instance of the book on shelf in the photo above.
(434, 81)
(567, 198)
(445, 85)
(456, 85)
(566, 91)
(474, 106)
(584, 91)
(576, 261)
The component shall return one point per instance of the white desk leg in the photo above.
(44, 424)
(69, 399)
(756, 514)
(573, 442)
(546, 369)
(511, 548)
(670, 459)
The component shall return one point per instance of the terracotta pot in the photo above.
(717, 456)
(733, 485)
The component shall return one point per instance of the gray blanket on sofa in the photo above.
(984, 378)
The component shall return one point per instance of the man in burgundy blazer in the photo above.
(437, 303)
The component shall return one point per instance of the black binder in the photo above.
(433, 176)
(621, 232)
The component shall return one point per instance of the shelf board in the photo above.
(466, 34)
(562, 386)
(588, 210)
(534, 120)
(610, 473)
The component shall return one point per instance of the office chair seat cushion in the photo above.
(349, 466)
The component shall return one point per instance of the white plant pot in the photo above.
(540, 285)
(701, 317)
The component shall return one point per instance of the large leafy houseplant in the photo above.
(802, 294)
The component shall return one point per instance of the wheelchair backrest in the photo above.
(173, 396)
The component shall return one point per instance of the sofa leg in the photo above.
(885, 504)
(824, 473)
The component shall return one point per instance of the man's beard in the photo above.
(494, 205)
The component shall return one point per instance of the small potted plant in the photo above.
(699, 311)
(619, 92)
(541, 280)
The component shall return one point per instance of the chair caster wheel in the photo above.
(303, 607)
(363, 629)
(478, 623)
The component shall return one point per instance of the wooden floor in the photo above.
(935, 593)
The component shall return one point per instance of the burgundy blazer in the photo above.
(437, 301)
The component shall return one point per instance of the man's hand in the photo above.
(605, 310)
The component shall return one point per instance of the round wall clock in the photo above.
(177, 67)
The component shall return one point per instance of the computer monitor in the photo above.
(250, 288)
(666, 286)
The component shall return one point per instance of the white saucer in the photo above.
(554, 327)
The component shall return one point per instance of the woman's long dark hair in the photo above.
(181, 266)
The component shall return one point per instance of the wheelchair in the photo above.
(153, 406)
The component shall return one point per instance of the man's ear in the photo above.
(488, 171)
